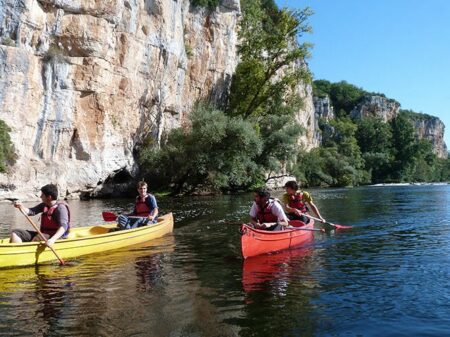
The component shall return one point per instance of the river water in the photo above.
(388, 276)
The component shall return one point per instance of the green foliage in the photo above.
(326, 166)
(265, 84)
(268, 51)
(417, 116)
(7, 155)
(188, 49)
(7, 41)
(218, 152)
(205, 3)
(55, 54)
(321, 88)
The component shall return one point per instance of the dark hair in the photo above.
(50, 190)
(263, 193)
(292, 184)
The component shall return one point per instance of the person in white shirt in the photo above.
(266, 212)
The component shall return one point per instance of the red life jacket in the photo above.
(141, 208)
(50, 226)
(265, 215)
(296, 201)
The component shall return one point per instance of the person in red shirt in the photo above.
(55, 218)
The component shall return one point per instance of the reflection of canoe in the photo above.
(256, 241)
(19, 279)
(82, 241)
(259, 269)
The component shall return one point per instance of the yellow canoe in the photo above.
(82, 241)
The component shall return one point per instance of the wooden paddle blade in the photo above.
(108, 216)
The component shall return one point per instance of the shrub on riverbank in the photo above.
(217, 152)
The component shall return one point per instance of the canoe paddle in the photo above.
(61, 261)
(336, 226)
(110, 216)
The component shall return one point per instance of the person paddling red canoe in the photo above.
(266, 212)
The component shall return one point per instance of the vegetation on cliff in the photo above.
(261, 107)
(7, 154)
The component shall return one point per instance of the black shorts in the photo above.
(25, 235)
(302, 217)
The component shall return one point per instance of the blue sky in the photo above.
(398, 47)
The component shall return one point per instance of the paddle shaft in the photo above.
(331, 224)
(41, 235)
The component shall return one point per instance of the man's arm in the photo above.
(60, 232)
(316, 211)
(253, 215)
(154, 206)
(30, 211)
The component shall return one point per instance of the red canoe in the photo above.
(257, 241)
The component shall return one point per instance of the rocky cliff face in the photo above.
(307, 118)
(432, 129)
(425, 126)
(83, 83)
(376, 106)
(323, 108)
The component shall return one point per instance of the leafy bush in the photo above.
(206, 3)
(218, 152)
(55, 54)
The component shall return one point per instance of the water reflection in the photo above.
(273, 271)
(386, 276)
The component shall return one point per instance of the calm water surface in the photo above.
(388, 276)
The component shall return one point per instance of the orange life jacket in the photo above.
(296, 201)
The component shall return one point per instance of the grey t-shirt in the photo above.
(60, 215)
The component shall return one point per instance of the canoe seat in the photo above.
(96, 230)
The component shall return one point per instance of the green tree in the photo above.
(404, 149)
(271, 59)
(217, 152)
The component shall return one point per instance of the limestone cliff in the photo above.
(376, 106)
(323, 108)
(425, 126)
(432, 129)
(83, 82)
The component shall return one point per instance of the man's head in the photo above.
(49, 193)
(261, 196)
(142, 188)
(291, 187)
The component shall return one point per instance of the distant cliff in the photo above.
(426, 127)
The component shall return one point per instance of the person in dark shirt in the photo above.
(145, 210)
(55, 218)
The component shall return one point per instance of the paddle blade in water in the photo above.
(340, 226)
(108, 216)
